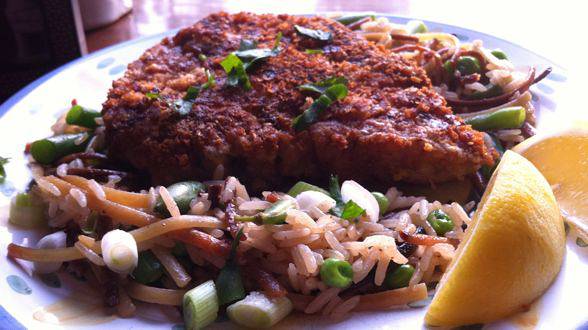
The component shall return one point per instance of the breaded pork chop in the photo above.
(392, 126)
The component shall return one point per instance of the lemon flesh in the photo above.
(562, 157)
(510, 254)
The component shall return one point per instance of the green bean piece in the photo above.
(148, 269)
(183, 193)
(229, 284)
(302, 186)
(382, 200)
(276, 214)
(440, 221)
(336, 273)
(499, 54)
(505, 118)
(492, 141)
(416, 26)
(47, 150)
(350, 19)
(468, 65)
(80, 116)
(399, 277)
(491, 91)
(448, 66)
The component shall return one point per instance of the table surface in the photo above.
(546, 27)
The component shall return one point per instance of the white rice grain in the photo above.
(290, 234)
(48, 187)
(254, 205)
(321, 300)
(335, 245)
(345, 307)
(79, 197)
(335, 301)
(97, 189)
(61, 170)
(293, 277)
(307, 258)
(381, 269)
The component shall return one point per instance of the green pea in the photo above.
(336, 273)
(468, 65)
(440, 222)
(449, 68)
(382, 200)
(399, 277)
(499, 54)
(183, 193)
(148, 269)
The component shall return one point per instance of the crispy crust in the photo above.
(392, 126)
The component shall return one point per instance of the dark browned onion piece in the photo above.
(83, 156)
(543, 74)
(95, 173)
(496, 100)
(404, 37)
(356, 25)
(230, 220)
(427, 240)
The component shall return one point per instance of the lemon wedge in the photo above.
(562, 157)
(510, 254)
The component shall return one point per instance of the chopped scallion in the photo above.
(302, 186)
(314, 51)
(27, 212)
(200, 306)
(229, 283)
(80, 116)
(257, 311)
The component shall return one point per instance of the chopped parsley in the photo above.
(313, 34)
(152, 95)
(238, 63)
(314, 51)
(347, 211)
(235, 69)
(3, 161)
(184, 105)
(330, 90)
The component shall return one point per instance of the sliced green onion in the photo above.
(27, 212)
(257, 311)
(399, 277)
(350, 19)
(276, 214)
(382, 200)
(322, 86)
(200, 306)
(48, 150)
(416, 26)
(119, 250)
(336, 273)
(183, 193)
(149, 269)
(352, 210)
(302, 186)
(511, 117)
(80, 116)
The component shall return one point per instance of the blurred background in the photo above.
(40, 35)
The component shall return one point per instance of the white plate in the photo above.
(28, 115)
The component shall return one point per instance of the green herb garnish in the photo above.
(184, 105)
(330, 90)
(277, 42)
(313, 34)
(347, 211)
(152, 96)
(314, 51)
(235, 69)
(3, 161)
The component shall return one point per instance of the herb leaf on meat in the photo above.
(313, 34)
(184, 105)
(235, 69)
(276, 47)
(314, 51)
(330, 90)
(152, 95)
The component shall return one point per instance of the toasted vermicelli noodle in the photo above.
(155, 295)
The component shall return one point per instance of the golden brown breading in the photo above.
(392, 125)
